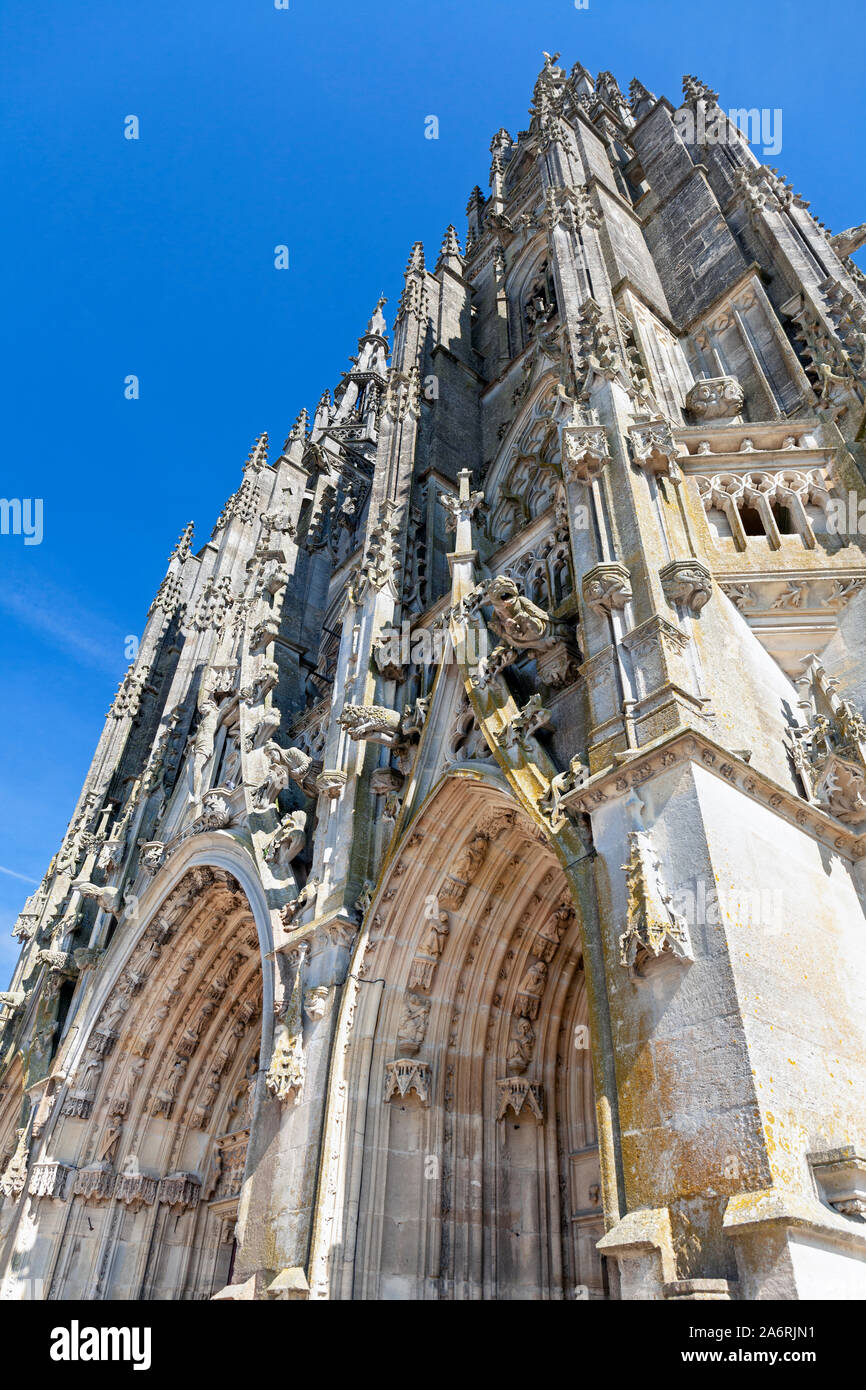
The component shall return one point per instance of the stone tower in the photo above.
(466, 896)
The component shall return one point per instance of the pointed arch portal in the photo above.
(136, 1191)
(465, 1158)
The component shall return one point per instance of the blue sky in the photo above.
(259, 127)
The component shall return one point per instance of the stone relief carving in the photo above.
(521, 1046)
(530, 990)
(15, 1174)
(576, 775)
(607, 588)
(284, 765)
(655, 449)
(412, 1028)
(287, 841)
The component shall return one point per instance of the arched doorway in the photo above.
(134, 1191)
(465, 1160)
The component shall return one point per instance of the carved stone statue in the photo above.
(202, 746)
(413, 1023)
(531, 989)
(287, 840)
(520, 1046)
(284, 765)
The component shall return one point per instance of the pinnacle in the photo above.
(450, 254)
(694, 89)
(258, 455)
(450, 244)
(299, 429)
(184, 541)
(377, 324)
(416, 258)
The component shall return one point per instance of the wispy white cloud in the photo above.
(57, 617)
(25, 878)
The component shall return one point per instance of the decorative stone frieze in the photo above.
(95, 1182)
(180, 1191)
(135, 1190)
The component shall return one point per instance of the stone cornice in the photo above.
(693, 746)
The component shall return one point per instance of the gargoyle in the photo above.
(374, 723)
(109, 899)
(520, 623)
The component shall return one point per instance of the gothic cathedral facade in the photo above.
(466, 897)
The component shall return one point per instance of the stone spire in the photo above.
(377, 326)
(370, 360)
(474, 210)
